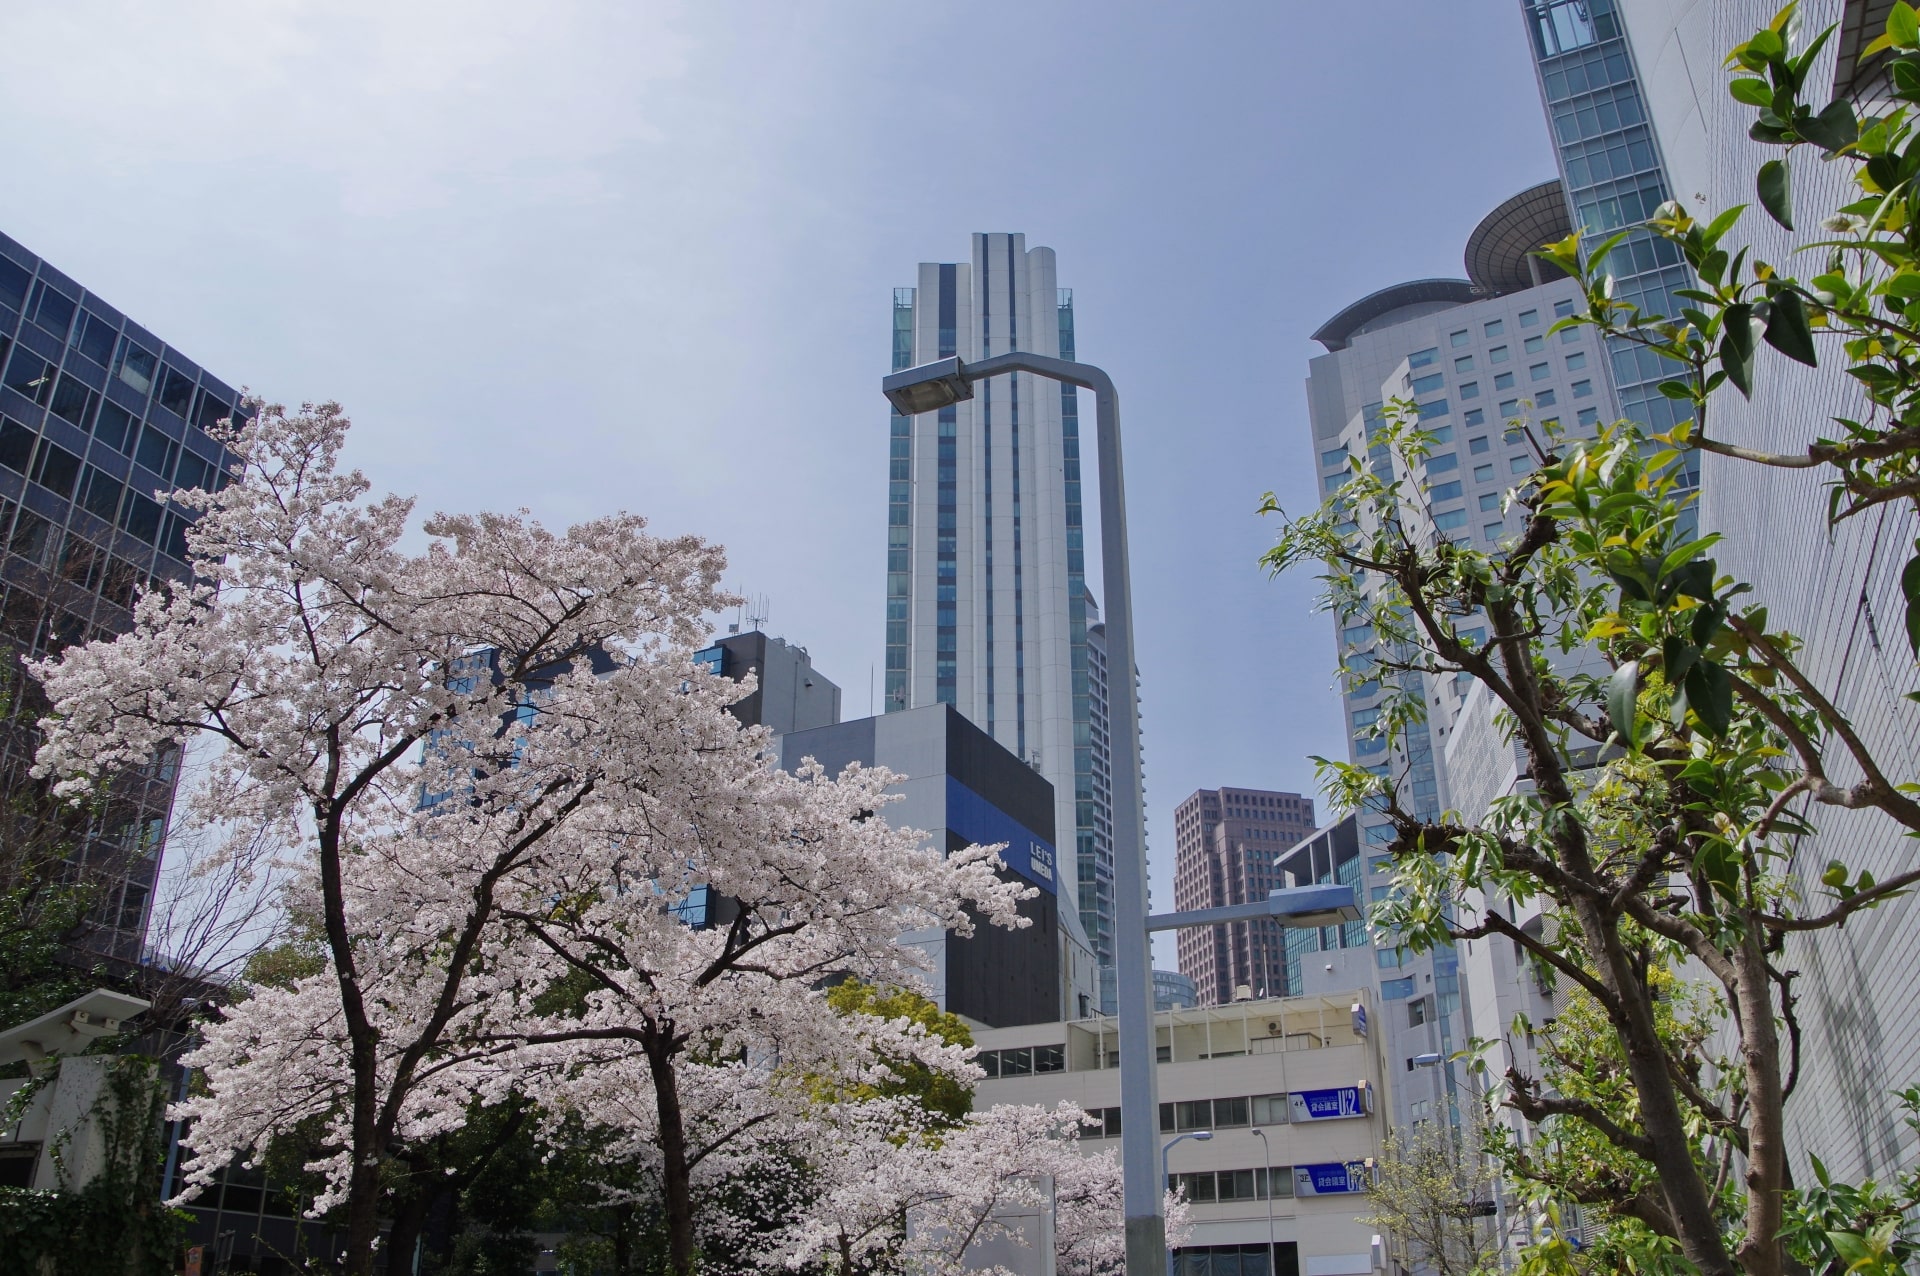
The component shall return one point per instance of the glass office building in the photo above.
(99, 421)
(1610, 165)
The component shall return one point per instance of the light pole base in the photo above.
(1147, 1246)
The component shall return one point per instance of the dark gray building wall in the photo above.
(792, 695)
(961, 787)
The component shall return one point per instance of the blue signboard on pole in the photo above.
(1331, 1178)
(1338, 1104)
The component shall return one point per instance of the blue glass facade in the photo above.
(1610, 164)
(99, 421)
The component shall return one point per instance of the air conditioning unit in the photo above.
(1275, 1028)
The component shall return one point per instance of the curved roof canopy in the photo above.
(1500, 249)
(1335, 333)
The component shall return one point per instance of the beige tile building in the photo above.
(1306, 1072)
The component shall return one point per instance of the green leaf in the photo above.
(1717, 866)
(1751, 91)
(1776, 191)
(1910, 586)
(1788, 330)
(1720, 225)
(1710, 696)
(1768, 44)
(1622, 692)
(1903, 25)
(1676, 658)
(1736, 347)
(1906, 78)
(1833, 128)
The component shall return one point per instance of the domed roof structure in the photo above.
(1500, 250)
(1391, 305)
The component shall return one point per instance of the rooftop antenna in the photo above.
(754, 612)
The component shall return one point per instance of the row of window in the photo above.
(1211, 1186)
(93, 489)
(1022, 1061)
(1238, 1112)
(99, 340)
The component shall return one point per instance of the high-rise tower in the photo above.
(986, 566)
(1227, 849)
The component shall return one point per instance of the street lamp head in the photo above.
(928, 388)
(1426, 1060)
(1202, 1135)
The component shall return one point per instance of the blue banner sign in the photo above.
(1328, 1105)
(1331, 1178)
(982, 823)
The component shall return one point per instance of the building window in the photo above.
(1445, 492)
(1470, 390)
(1450, 520)
(1442, 462)
(1483, 473)
(1429, 383)
(1589, 416)
(1490, 500)
(1509, 408)
(1521, 464)
(1474, 416)
(1561, 309)
(1530, 319)
(1583, 389)
(1493, 531)
(1498, 354)
(1504, 381)
(1540, 372)
(1336, 457)
(1493, 327)
(1396, 989)
(1576, 361)
(1457, 339)
(1569, 336)
(1478, 445)
(1535, 345)
(1545, 399)
(1463, 364)
(1423, 358)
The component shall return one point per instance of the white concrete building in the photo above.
(1475, 356)
(1838, 587)
(1303, 1071)
(987, 604)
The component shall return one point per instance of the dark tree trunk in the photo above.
(676, 1192)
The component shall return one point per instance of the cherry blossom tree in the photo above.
(500, 770)
(894, 1195)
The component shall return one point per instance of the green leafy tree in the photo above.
(937, 1092)
(1430, 1184)
(1678, 748)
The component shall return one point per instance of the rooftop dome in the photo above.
(1500, 249)
(1366, 313)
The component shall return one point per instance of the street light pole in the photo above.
(936, 385)
(933, 386)
(1166, 1174)
(1266, 1150)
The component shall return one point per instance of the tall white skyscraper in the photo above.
(986, 566)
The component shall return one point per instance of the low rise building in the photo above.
(1290, 1091)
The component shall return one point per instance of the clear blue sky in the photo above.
(582, 257)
